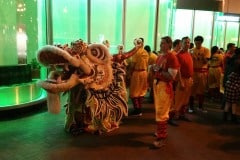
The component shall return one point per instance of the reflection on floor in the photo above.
(34, 134)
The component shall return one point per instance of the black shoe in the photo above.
(136, 113)
(202, 110)
(184, 118)
(235, 119)
(172, 123)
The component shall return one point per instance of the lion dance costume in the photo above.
(88, 75)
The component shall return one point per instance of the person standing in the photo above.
(200, 56)
(231, 87)
(227, 68)
(138, 80)
(214, 73)
(119, 63)
(227, 64)
(176, 46)
(172, 113)
(165, 71)
(151, 61)
(184, 80)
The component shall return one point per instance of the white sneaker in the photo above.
(204, 111)
(159, 143)
(190, 110)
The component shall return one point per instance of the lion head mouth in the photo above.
(79, 63)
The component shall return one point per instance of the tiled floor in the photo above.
(35, 134)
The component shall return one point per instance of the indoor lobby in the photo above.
(30, 132)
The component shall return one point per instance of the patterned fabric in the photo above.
(161, 130)
(232, 91)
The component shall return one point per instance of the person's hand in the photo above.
(138, 43)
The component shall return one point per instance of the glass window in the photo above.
(219, 31)
(203, 22)
(69, 20)
(106, 22)
(18, 31)
(8, 22)
(140, 21)
(182, 25)
(42, 29)
(164, 25)
(231, 33)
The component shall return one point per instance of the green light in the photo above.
(21, 95)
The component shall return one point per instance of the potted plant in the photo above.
(35, 69)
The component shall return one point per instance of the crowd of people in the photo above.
(178, 78)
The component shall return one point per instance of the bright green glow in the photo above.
(203, 26)
(225, 30)
(8, 22)
(140, 21)
(42, 35)
(219, 31)
(164, 20)
(21, 94)
(183, 24)
(11, 20)
(232, 29)
(106, 22)
(69, 21)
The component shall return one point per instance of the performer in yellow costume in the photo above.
(200, 56)
(165, 71)
(214, 72)
(138, 82)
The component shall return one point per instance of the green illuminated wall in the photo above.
(219, 32)
(165, 15)
(119, 21)
(106, 22)
(183, 23)
(11, 20)
(8, 20)
(140, 21)
(69, 19)
(203, 22)
(27, 16)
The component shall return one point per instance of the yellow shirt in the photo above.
(216, 60)
(152, 58)
(199, 57)
(140, 60)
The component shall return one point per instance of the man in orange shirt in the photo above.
(184, 80)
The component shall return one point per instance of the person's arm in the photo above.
(170, 74)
